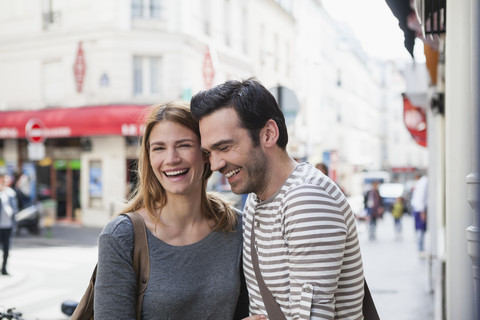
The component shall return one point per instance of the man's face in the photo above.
(232, 153)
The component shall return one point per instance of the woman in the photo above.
(194, 238)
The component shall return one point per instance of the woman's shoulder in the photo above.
(120, 227)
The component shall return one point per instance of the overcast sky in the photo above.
(375, 26)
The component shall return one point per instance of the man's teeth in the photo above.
(232, 173)
(175, 173)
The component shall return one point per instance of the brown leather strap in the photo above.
(141, 258)
(273, 309)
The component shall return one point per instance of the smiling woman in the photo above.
(194, 238)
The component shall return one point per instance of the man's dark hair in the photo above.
(254, 105)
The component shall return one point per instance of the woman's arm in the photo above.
(115, 287)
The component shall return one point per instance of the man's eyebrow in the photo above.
(220, 143)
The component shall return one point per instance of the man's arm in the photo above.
(316, 234)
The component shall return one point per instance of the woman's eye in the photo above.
(185, 145)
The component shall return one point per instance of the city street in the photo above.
(396, 275)
(48, 269)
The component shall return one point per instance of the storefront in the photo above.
(80, 157)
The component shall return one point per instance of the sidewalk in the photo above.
(396, 275)
(60, 235)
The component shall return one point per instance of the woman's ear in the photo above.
(269, 134)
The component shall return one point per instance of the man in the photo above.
(305, 233)
(374, 206)
(8, 208)
(419, 203)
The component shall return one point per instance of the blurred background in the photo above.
(376, 90)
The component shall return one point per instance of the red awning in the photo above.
(37, 125)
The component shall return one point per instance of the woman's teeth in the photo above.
(175, 173)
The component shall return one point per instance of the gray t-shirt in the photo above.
(203, 280)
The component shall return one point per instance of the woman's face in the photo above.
(176, 158)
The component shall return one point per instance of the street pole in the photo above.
(473, 238)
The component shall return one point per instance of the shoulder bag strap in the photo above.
(273, 309)
(141, 258)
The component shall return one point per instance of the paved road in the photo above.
(51, 268)
(396, 275)
(47, 270)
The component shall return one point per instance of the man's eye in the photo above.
(185, 145)
(223, 148)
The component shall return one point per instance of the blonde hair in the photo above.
(150, 194)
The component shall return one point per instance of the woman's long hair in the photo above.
(150, 194)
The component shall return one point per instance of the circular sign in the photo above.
(35, 131)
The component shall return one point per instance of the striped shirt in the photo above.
(308, 249)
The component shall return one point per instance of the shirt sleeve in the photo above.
(315, 233)
(115, 286)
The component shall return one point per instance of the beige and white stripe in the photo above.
(308, 249)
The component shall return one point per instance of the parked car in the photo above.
(29, 218)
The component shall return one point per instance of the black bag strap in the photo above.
(273, 309)
(369, 309)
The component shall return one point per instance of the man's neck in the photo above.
(280, 168)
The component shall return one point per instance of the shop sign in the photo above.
(415, 121)
(208, 70)
(79, 68)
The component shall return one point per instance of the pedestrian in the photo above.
(194, 238)
(8, 209)
(305, 233)
(397, 213)
(22, 186)
(374, 206)
(419, 203)
(322, 167)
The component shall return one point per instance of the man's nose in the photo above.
(216, 161)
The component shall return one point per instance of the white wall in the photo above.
(111, 151)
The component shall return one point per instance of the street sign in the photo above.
(36, 151)
(208, 70)
(35, 131)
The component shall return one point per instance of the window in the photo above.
(146, 75)
(147, 9)
(51, 14)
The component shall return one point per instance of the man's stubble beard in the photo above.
(255, 173)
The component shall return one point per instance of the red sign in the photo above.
(208, 71)
(79, 68)
(35, 131)
(415, 121)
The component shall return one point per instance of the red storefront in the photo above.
(52, 142)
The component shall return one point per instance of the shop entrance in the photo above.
(67, 188)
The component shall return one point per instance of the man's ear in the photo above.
(269, 134)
